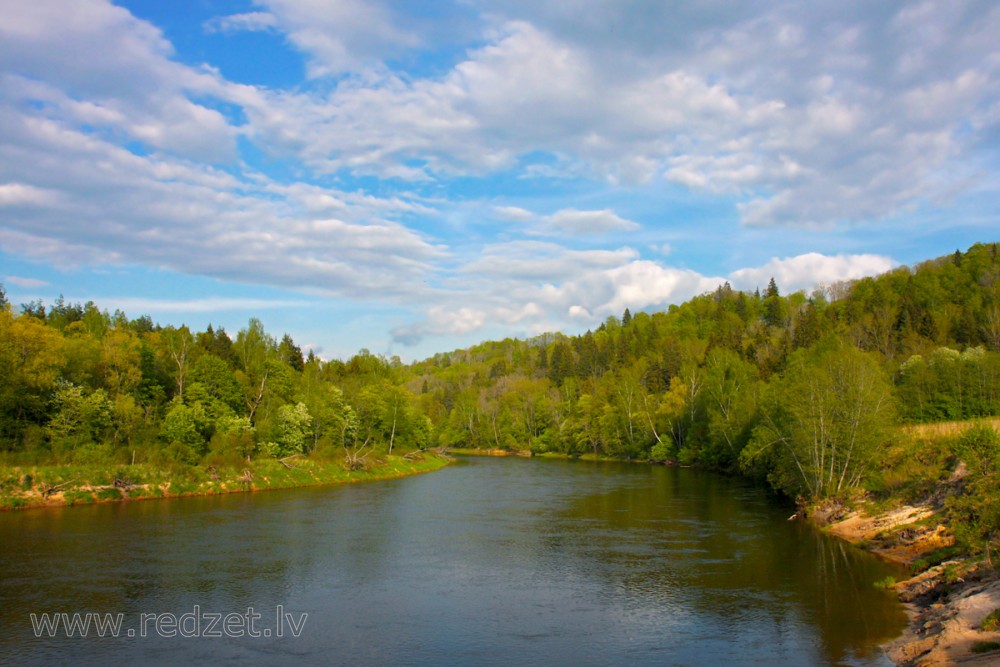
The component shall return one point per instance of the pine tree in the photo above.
(772, 289)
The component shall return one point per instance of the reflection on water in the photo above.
(490, 561)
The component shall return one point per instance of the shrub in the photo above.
(992, 622)
(985, 647)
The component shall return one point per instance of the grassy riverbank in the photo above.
(46, 486)
(527, 453)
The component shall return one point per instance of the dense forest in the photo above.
(804, 390)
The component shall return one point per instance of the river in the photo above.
(491, 561)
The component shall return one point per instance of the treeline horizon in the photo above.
(804, 390)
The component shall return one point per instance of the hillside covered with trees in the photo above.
(804, 390)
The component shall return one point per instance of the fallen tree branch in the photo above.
(49, 489)
(285, 462)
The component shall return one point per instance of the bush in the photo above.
(660, 452)
(992, 622)
(979, 447)
(937, 557)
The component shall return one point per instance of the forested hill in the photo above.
(734, 379)
(802, 388)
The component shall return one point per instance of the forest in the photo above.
(806, 391)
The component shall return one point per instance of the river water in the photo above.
(491, 561)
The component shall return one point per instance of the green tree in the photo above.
(31, 358)
(975, 515)
(81, 421)
(177, 344)
(290, 353)
(255, 350)
(291, 430)
(729, 399)
(824, 421)
(182, 432)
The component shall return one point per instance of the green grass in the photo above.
(81, 484)
(937, 557)
(992, 622)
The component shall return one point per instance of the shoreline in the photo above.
(34, 490)
(944, 603)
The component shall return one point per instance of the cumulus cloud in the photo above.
(342, 35)
(809, 116)
(113, 150)
(535, 286)
(807, 271)
(92, 63)
(567, 289)
(79, 89)
(196, 219)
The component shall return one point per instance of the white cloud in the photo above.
(201, 305)
(520, 261)
(198, 220)
(514, 214)
(20, 194)
(246, 22)
(807, 271)
(589, 222)
(661, 248)
(341, 35)
(567, 221)
(112, 150)
(566, 289)
(795, 110)
(441, 320)
(537, 287)
(25, 282)
(91, 62)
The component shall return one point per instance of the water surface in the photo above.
(489, 561)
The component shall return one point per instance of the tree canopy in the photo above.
(801, 389)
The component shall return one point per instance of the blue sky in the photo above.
(411, 177)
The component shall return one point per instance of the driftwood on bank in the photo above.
(49, 489)
(285, 462)
(443, 453)
(354, 459)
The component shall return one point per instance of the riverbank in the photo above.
(947, 599)
(527, 453)
(26, 487)
(468, 451)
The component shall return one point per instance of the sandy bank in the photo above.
(945, 604)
